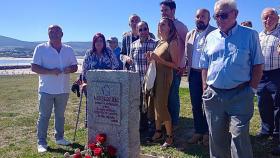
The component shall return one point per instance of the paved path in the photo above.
(184, 82)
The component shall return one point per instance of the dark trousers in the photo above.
(174, 99)
(195, 86)
(269, 101)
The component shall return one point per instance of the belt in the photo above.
(196, 70)
(240, 86)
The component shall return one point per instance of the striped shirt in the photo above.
(128, 39)
(269, 43)
(137, 54)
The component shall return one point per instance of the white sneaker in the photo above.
(42, 148)
(62, 142)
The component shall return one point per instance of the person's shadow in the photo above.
(182, 133)
(62, 151)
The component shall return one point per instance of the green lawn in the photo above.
(18, 116)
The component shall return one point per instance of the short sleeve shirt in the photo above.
(230, 58)
(48, 57)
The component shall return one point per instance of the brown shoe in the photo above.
(195, 138)
(205, 140)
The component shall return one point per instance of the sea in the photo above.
(10, 61)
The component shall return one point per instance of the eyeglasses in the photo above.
(143, 29)
(222, 16)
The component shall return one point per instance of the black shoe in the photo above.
(86, 124)
(262, 136)
(276, 151)
(275, 138)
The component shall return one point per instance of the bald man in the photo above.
(53, 61)
(268, 89)
(195, 40)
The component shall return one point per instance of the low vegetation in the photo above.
(18, 116)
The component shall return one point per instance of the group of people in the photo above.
(226, 66)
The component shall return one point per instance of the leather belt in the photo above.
(240, 86)
(196, 70)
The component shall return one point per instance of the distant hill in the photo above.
(7, 42)
(10, 47)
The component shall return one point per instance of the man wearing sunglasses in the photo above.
(139, 63)
(269, 87)
(128, 38)
(195, 41)
(231, 70)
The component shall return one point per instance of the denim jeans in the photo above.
(46, 103)
(195, 86)
(269, 102)
(174, 99)
(228, 114)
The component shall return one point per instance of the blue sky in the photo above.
(80, 19)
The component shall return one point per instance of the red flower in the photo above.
(92, 146)
(77, 155)
(112, 150)
(101, 138)
(97, 151)
(87, 156)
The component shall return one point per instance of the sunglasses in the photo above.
(222, 16)
(143, 29)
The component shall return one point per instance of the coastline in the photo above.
(23, 70)
(27, 71)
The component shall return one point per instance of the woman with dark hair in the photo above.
(98, 57)
(166, 57)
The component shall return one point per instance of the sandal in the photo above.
(156, 139)
(166, 144)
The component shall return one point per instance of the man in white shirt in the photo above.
(53, 61)
(195, 41)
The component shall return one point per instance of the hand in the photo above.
(154, 56)
(180, 71)
(204, 87)
(55, 71)
(84, 87)
(148, 55)
(79, 82)
(67, 70)
(129, 60)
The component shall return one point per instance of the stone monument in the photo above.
(113, 108)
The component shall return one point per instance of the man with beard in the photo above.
(195, 41)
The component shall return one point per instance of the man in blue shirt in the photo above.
(231, 70)
(114, 46)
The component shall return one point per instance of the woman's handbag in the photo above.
(150, 76)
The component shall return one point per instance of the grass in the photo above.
(19, 112)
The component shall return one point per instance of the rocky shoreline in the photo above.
(9, 67)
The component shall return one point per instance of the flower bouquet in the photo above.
(98, 149)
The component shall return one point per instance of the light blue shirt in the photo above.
(230, 58)
(198, 45)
